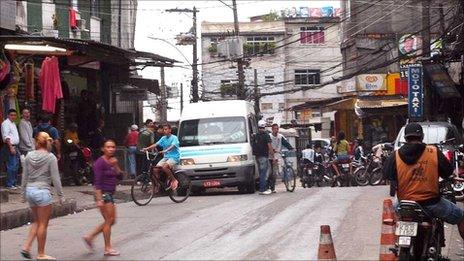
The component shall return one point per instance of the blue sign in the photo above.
(415, 92)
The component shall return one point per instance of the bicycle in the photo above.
(147, 185)
(289, 176)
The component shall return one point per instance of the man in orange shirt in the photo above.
(414, 171)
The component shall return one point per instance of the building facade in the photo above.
(287, 54)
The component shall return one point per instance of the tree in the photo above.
(272, 16)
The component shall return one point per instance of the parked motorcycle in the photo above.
(456, 157)
(376, 175)
(419, 235)
(79, 161)
(362, 170)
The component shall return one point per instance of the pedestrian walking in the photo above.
(131, 144)
(10, 138)
(106, 173)
(263, 151)
(40, 171)
(278, 142)
(26, 133)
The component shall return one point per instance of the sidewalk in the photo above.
(15, 213)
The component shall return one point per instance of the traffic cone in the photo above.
(388, 214)
(326, 246)
(387, 237)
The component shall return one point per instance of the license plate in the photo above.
(345, 166)
(73, 154)
(310, 172)
(211, 183)
(404, 241)
(408, 229)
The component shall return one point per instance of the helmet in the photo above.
(261, 124)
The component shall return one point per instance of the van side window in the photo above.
(252, 124)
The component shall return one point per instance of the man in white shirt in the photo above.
(278, 141)
(10, 137)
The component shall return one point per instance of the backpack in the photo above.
(41, 129)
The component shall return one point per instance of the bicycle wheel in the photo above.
(142, 190)
(182, 192)
(290, 179)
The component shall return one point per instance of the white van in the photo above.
(215, 144)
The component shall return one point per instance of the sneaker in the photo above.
(274, 191)
(266, 192)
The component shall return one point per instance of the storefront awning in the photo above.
(94, 51)
(147, 84)
(380, 105)
(345, 104)
(314, 103)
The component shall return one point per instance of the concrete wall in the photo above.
(312, 56)
(128, 19)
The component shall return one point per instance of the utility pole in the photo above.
(194, 88)
(256, 93)
(241, 92)
(164, 100)
(425, 35)
(181, 97)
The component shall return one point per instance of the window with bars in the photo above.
(269, 79)
(266, 106)
(307, 77)
(259, 45)
(312, 35)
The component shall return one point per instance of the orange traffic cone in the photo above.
(387, 238)
(388, 215)
(326, 246)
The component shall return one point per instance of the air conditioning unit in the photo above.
(81, 25)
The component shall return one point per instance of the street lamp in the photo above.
(164, 40)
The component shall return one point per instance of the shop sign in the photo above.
(416, 92)
(347, 86)
(133, 95)
(305, 12)
(371, 82)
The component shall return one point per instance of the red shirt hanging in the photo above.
(50, 84)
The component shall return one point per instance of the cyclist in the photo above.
(171, 155)
(278, 141)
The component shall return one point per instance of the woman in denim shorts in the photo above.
(40, 171)
(106, 173)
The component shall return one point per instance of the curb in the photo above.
(20, 217)
(4, 196)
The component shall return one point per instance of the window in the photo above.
(307, 77)
(95, 8)
(312, 35)
(269, 79)
(226, 130)
(259, 44)
(266, 106)
(281, 106)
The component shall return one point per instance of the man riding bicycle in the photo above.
(171, 155)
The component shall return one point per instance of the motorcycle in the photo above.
(79, 159)
(313, 174)
(456, 157)
(344, 179)
(376, 176)
(419, 235)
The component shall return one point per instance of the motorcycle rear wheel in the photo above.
(376, 177)
(361, 177)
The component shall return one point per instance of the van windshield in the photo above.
(225, 130)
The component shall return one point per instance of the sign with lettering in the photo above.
(416, 92)
(371, 82)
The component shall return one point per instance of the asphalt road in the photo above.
(225, 226)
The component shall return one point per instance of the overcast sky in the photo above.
(152, 20)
